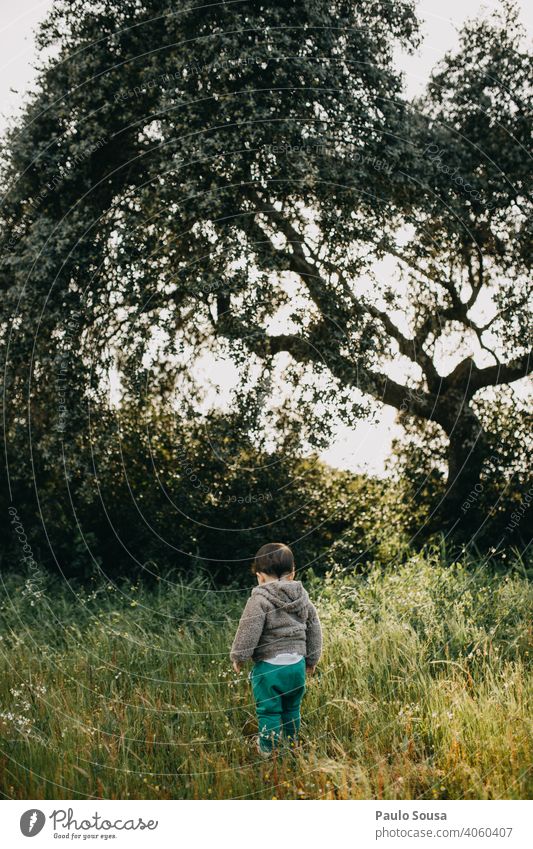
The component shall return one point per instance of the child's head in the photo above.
(273, 561)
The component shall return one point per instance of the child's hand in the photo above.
(310, 670)
(237, 666)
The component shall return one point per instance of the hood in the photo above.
(287, 595)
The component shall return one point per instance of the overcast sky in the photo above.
(366, 447)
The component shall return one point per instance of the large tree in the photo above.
(468, 260)
(180, 175)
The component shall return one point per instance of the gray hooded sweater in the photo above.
(278, 617)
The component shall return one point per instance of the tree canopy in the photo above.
(252, 176)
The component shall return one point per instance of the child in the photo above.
(280, 631)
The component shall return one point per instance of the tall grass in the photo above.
(424, 691)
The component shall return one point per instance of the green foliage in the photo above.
(145, 487)
(120, 691)
(181, 176)
(496, 510)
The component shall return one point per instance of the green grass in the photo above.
(425, 691)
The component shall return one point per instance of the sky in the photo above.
(365, 447)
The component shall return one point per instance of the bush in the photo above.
(143, 492)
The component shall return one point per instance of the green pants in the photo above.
(278, 693)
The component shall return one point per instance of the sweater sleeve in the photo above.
(314, 637)
(249, 631)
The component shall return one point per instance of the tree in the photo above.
(151, 493)
(183, 174)
(468, 260)
(496, 511)
(127, 180)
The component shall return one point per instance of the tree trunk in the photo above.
(467, 451)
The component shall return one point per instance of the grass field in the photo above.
(425, 691)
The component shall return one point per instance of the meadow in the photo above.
(124, 691)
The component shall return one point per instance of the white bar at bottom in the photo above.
(281, 825)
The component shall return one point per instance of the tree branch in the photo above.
(317, 286)
(503, 372)
(312, 350)
(296, 260)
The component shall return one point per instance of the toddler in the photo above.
(280, 631)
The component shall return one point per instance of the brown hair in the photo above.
(274, 558)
